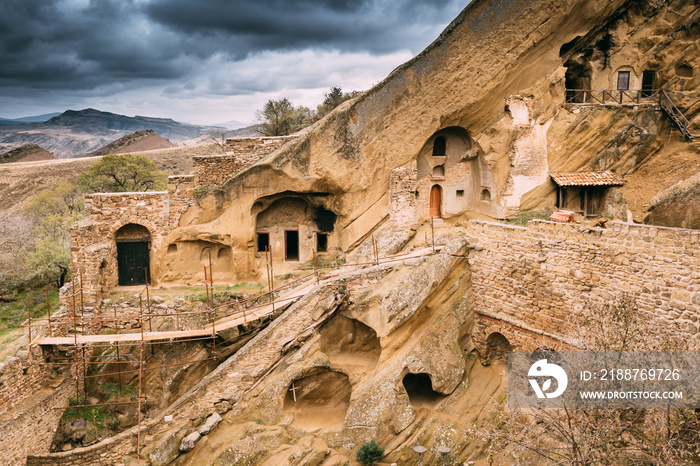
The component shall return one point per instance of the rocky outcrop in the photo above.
(678, 206)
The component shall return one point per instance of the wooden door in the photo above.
(435, 201)
(133, 263)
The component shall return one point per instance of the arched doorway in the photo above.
(435, 201)
(133, 250)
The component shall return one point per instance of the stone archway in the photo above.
(133, 254)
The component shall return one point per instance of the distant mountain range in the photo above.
(73, 133)
(29, 119)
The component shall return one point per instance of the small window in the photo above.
(321, 242)
(172, 249)
(439, 171)
(439, 147)
(485, 195)
(223, 253)
(623, 80)
(263, 242)
(460, 193)
(684, 71)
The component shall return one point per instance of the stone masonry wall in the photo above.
(536, 278)
(402, 198)
(182, 197)
(20, 377)
(93, 249)
(30, 428)
(214, 170)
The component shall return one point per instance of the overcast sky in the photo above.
(202, 61)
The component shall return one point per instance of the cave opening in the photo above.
(420, 391)
(319, 400)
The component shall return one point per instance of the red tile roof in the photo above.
(607, 178)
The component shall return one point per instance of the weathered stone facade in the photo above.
(214, 170)
(402, 198)
(30, 398)
(20, 377)
(535, 279)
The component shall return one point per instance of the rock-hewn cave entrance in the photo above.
(133, 251)
(420, 391)
(348, 342)
(322, 400)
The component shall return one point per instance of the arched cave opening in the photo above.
(497, 349)
(319, 400)
(420, 391)
(348, 342)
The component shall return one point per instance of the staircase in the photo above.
(675, 114)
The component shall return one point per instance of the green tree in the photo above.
(122, 173)
(48, 262)
(369, 453)
(56, 210)
(281, 117)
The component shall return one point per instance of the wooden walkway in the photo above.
(210, 330)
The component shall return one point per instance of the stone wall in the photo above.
(93, 248)
(536, 278)
(214, 170)
(20, 377)
(31, 396)
(255, 147)
(402, 198)
(182, 196)
(30, 427)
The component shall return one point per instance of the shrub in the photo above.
(369, 453)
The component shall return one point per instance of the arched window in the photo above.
(439, 171)
(439, 147)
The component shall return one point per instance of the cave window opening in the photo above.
(263, 242)
(485, 195)
(439, 147)
(321, 242)
(291, 245)
(648, 83)
(623, 80)
(172, 249)
(325, 219)
(684, 71)
(420, 391)
(460, 193)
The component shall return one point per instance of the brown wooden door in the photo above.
(435, 201)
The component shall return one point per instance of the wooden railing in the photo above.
(605, 96)
(632, 97)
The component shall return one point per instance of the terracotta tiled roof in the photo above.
(587, 179)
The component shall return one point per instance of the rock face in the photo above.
(678, 206)
(449, 137)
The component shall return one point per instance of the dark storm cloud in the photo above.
(81, 44)
(377, 26)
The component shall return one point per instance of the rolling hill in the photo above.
(75, 133)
